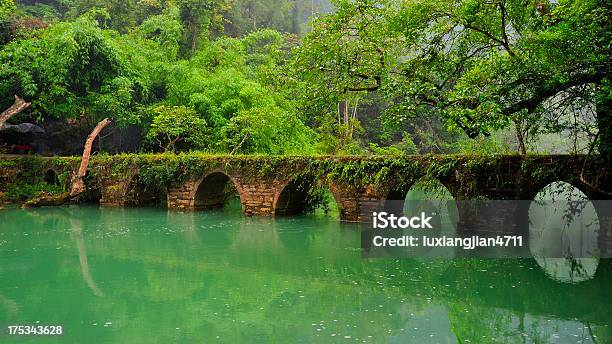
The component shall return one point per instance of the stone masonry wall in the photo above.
(358, 184)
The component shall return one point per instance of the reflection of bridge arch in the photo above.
(257, 234)
(422, 189)
(564, 229)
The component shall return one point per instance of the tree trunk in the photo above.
(520, 137)
(345, 113)
(604, 123)
(77, 186)
(603, 105)
(194, 46)
(16, 108)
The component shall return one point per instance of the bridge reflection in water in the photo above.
(299, 278)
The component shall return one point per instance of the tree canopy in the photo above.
(365, 76)
(479, 65)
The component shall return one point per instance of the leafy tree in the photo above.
(176, 126)
(199, 18)
(165, 29)
(111, 64)
(479, 65)
(122, 14)
(251, 15)
(7, 8)
(233, 85)
(342, 60)
(49, 11)
(265, 129)
(76, 69)
(244, 115)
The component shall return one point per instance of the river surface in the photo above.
(152, 276)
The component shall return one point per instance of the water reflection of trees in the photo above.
(252, 283)
(76, 233)
(68, 218)
(10, 306)
(499, 296)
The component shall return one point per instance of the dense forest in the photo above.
(309, 76)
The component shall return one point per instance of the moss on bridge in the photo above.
(467, 176)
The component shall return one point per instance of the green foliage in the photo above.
(72, 70)
(165, 29)
(344, 52)
(373, 77)
(175, 125)
(28, 181)
(80, 70)
(7, 8)
(479, 65)
(235, 94)
(122, 14)
(251, 15)
(481, 145)
(22, 191)
(46, 12)
(7, 163)
(154, 175)
(199, 18)
(266, 130)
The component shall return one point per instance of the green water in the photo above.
(153, 276)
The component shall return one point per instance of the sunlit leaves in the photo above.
(176, 126)
(7, 8)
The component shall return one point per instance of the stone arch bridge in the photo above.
(268, 185)
(274, 185)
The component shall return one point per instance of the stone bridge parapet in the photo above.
(280, 185)
(274, 185)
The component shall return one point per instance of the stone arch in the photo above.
(50, 177)
(291, 197)
(326, 197)
(214, 190)
(336, 196)
(394, 200)
(561, 183)
(575, 183)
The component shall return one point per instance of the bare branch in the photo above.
(16, 108)
(77, 184)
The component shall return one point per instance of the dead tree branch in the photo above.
(16, 108)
